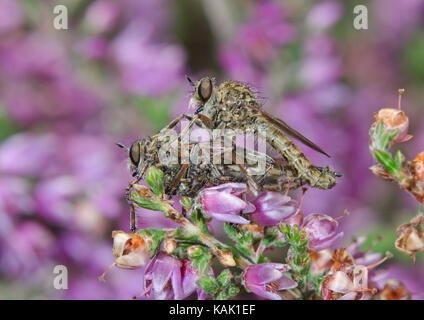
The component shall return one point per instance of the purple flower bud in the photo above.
(267, 278)
(272, 207)
(162, 278)
(223, 202)
(321, 231)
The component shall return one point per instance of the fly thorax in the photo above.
(211, 108)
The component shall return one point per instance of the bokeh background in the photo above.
(117, 74)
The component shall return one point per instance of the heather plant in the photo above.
(187, 258)
(179, 260)
(390, 128)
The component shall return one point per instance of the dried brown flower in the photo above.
(411, 237)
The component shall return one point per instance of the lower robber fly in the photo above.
(187, 178)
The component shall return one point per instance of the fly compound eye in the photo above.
(135, 153)
(204, 89)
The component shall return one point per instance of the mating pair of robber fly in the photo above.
(231, 105)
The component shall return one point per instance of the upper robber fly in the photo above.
(233, 105)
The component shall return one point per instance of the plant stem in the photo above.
(208, 240)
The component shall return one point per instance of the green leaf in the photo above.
(198, 219)
(380, 129)
(222, 296)
(180, 234)
(144, 203)
(263, 259)
(247, 238)
(186, 202)
(224, 278)
(157, 236)
(208, 284)
(231, 231)
(243, 250)
(232, 290)
(382, 137)
(154, 178)
(195, 251)
(180, 252)
(387, 162)
(270, 238)
(398, 159)
(280, 244)
(201, 260)
(387, 138)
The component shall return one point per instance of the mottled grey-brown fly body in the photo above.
(188, 178)
(232, 105)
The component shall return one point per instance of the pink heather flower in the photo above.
(145, 67)
(189, 277)
(267, 278)
(93, 48)
(320, 70)
(324, 15)
(101, 16)
(272, 207)
(223, 202)
(265, 32)
(321, 231)
(162, 279)
(11, 15)
(25, 248)
(168, 278)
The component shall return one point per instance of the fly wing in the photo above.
(280, 124)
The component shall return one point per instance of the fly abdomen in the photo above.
(316, 177)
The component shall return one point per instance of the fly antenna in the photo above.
(190, 81)
(123, 146)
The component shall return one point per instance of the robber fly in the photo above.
(188, 178)
(233, 105)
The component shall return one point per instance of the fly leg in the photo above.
(255, 156)
(172, 189)
(253, 186)
(174, 122)
(261, 179)
(131, 203)
(218, 177)
(129, 199)
(199, 119)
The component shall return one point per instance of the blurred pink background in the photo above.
(117, 74)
